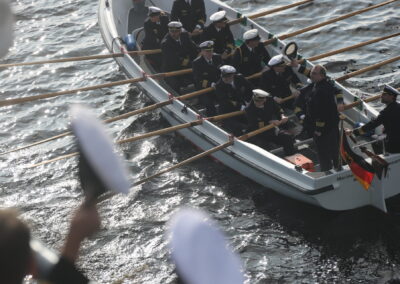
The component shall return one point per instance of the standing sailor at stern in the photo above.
(323, 112)
(206, 73)
(192, 15)
(178, 52)
(220, 33)
(389, 117)
(263, 110)
(155, 29)
(277, 81)
(252, 56)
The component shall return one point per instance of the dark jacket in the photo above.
(154, 33)
(232, 98)
(204, 73)
(278, 85)
(321, 108)
(223, 39)
(249, 62)
(260, 117)
(390, 118)
(189, 15)
(177, 56)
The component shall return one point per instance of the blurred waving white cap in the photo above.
(200, 251)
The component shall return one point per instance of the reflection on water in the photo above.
(279, 240)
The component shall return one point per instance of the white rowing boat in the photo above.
(334, 191)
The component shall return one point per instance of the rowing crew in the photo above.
(316, 105)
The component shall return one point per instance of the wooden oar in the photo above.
(268, 12)
(82, 58)
(207, 153)
(9, 102)
(337, 51)
(313, 27)
(151, 134)
(366, 69)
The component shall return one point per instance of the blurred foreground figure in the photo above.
(200, 252)
(18, 260)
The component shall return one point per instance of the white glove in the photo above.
(242, 107)
(302, 116)
(213, 85)
(198, 27)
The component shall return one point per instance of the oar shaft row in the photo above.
(183, 97)
(316, 26)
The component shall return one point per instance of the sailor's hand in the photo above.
(340, 107)
(213, 85)
(225, 55)
(284, 120)
(296, 93)
(317, 133)
(275, 122)
(278, 100)
(348, 131)
(294, 63)
(242, 107)
(265, 68)
(196, 32)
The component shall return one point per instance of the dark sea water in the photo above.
(279, 240)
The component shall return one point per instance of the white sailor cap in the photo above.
(175, 25)
(153, 11)
(218, 16)
(251, 35)
(259, 94)
(276, 60)
(227, 70)
(207, 45)
(200, 252)
(98, 152)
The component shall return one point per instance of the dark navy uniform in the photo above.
(250, 62)
(390, 118)
(260, 117)
(205, 73)
(189, 15)
(232, 97)
(323, 116)
(177, 56)
(154, 34)
(223, 38)
(278, 84)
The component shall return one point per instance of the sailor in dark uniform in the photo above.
(278, 81)
(389, 117)
(155, 29)
(262, 111)
(252, 56)
(192, 15)
(234, 92)
(322, 113)
(206, 73)
(178, 52)
(220, 33)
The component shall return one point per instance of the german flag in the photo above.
(362, 171)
